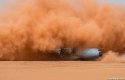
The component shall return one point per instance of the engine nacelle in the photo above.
(90, 54)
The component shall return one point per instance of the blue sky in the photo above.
(117, 1)
(121, 2)
(114, 1)
(111, 1)
(3, 2)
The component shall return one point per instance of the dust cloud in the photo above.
(31, 28)
(111, 56)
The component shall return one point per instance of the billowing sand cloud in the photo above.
(29, 28)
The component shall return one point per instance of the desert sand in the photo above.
(62, 70)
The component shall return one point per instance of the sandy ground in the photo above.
(61, 70)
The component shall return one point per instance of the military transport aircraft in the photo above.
(80, 54)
